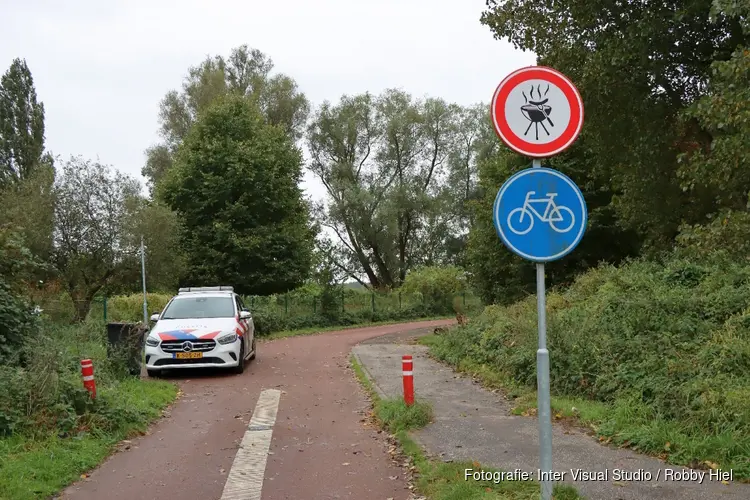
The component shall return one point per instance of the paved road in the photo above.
(472, 423)
(319, 446)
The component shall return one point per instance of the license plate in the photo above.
(188, 355)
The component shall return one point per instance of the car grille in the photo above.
(171, 362)
(200, 345)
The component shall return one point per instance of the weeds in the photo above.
(652, 356)
(51, 430)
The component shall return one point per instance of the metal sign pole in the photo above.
(143, 275)
(544, 411)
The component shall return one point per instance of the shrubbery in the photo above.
(672, 339)
(315, 306)
(16, 313)
(271, 321)
(44, 391)
(346, 307)
(129, 308)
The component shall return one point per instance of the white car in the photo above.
(206, 327)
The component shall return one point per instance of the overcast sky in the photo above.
(102, 66)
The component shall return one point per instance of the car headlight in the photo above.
(152, 342)
(228, 339)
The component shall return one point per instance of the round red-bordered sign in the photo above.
(537, 111)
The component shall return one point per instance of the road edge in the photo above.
(381, 392)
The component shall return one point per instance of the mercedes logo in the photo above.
(187, 346)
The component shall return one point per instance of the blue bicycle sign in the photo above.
(553, 214)
(540, 214)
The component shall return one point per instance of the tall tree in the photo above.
(100, 216)
(235, 186)
(638, 65)
(384, 161)
(26, 172)
(21, 125)
(246, 72)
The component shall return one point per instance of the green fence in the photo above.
(289, 306)
(292, 305)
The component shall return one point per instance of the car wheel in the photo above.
(153, 373)
(241, 365)
(255, 350)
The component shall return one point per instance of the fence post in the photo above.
(343, 301)
(104, 304)
(286, 305)
(399, 300)
(372, 297)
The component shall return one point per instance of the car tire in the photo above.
(255, 350)
(153, 373)
(240, 368)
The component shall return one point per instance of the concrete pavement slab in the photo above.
(473, 423)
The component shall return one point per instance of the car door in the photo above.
(246, 338)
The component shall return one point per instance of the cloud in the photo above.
(101, 67)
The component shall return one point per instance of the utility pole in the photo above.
(143, 275)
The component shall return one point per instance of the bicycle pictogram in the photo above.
(553, 214)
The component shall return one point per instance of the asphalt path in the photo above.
(292, 426)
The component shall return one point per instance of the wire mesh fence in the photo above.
(129, 308)
(292, 305)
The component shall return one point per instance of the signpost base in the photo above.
(543, 390)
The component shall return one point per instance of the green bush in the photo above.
(46, 392)
(16, 321)
(672, 336)
(435, 283)
(344, 306)
(129, 308)
(315, 306)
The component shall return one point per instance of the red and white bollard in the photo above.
(87, 371)
(408, 369)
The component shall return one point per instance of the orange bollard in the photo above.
(408, 369)
(87, 371)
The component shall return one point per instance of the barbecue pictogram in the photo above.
(537, 111)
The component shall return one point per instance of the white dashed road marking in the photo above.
(245, 479)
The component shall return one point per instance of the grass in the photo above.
(32, 468)
(439, 480)
(623, 423)
(316, 330)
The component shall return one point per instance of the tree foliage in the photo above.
(29, 206)
(21, 125)
(17, 267)
(235, 187)
(246, 72)
(26, 172)
(638, 66)
(399, 173)
(99, 214)
(664, 87)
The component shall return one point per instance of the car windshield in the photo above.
(200, 307)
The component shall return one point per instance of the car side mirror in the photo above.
(245, 315)
(155, 317)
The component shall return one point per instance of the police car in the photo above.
(207, 327)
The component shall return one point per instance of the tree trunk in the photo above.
(81, 306)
